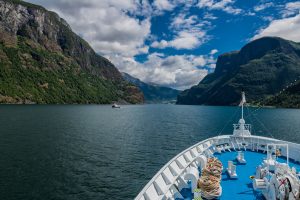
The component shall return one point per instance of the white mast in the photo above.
(241, 129)
(243, 101)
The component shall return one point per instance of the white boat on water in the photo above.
(115, 106)
(202, 171)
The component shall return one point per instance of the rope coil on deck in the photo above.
(209, 182)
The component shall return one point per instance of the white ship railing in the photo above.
(167, 176)
(199, 147)
(247, 126)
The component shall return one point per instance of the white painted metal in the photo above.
(192, 174)
(231, 170)
(241, 158)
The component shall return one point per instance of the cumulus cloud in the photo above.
(189, 33)
(161, 44)
(178, 71)
(291, 8)
(187, 39)
(183, 40)
(163, 5)
(224, 5)
(288, 28)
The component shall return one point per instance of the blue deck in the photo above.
(241, 188)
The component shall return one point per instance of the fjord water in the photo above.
(96, 152)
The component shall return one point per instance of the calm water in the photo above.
(96, 152)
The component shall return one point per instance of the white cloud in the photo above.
(161, 44)
(268, 18)
(182, 21)
(212, 65)
(187, 40)
(225, 5)
(163, 5)
(183, 40)
(263, 6)
(160, 6)
(209, 16)
(189, 33)
(249, 13)
(288, 28)
(213, 51)
(291, 8)
(178, 71)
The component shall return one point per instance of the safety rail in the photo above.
(246, 126)
(198, 147)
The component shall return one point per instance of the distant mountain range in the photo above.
(153, 93)
(43, 61)
(263, 68)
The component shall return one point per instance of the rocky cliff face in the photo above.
(261, 68)
(49, 60)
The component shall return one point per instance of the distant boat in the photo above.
(115, 106)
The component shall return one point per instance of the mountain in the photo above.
(262, 68)
(153, 93)
(43, 61)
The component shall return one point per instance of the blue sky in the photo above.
(175, 43)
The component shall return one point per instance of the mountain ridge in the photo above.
(261, 68)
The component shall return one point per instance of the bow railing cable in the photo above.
(230, 120)
(262, 124)
(258, 108)
(251, 120)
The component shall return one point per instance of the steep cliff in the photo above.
(43, 61)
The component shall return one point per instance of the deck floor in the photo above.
(241, 188)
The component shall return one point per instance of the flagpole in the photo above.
(242, 110)
(243, 101)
